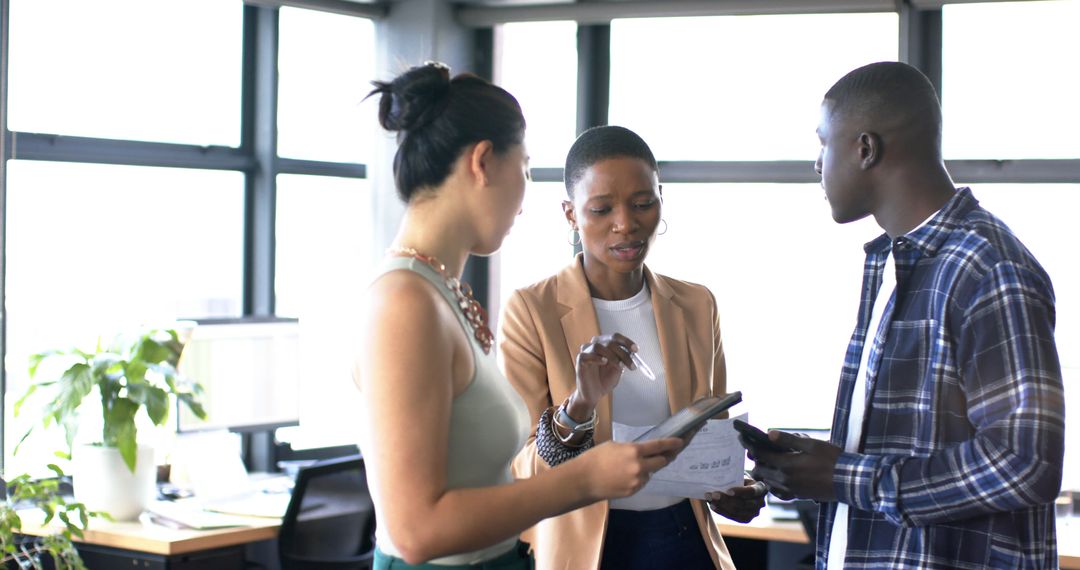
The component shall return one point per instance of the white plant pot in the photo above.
(103, 482)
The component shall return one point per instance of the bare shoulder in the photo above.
(404, 306)
(401, 291)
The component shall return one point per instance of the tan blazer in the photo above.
(543, 328)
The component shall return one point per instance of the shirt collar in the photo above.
(931, 234)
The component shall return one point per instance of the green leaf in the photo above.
(153, 351)
(157, 405)
(120, 429)
(71, 427)
(37, 359)
(105, 363)
(168, 374)
(135, 372)
(193, 405)
(33, 388)
(62, 455)
(125, 440)
(53, 467)
(21, 440)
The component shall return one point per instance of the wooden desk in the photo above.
(764, 528)
(162, 547)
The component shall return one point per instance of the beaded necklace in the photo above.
(470, 307)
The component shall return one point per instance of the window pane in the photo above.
(1009, 80)
(115, 69)
(538, 245)
(544, 81)
(737, 87)
(1038, 213)
(787, 287)
(95, 250)
(326, 63)
(324, 261)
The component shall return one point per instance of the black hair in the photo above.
(888, 93)
(600, 143)
(436, 117)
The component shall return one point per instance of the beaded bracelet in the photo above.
(548, 445)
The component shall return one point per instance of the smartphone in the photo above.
(757, 438)
(691, 417)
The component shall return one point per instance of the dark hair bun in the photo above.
(415, 98)
(435, 117)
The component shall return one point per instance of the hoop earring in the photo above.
(663, 221)
(573, 238)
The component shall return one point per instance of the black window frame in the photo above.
(256, 156)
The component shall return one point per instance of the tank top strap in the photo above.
(394, 263)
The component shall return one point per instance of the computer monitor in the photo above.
(250, 373)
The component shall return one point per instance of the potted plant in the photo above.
(18, 551)
(115, 474)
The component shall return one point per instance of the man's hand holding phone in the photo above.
(792, 466)
(752, 438)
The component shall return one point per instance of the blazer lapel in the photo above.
(579, 326)
(671, 330)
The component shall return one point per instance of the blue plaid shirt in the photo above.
(963, 437)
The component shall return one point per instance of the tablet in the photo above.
(691, 417)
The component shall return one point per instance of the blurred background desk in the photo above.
(151, 546)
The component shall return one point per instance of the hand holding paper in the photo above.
(713, 461)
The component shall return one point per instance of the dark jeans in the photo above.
(517, 559)
(647, 540)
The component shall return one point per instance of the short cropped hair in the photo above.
(887, 92)
(601, 143)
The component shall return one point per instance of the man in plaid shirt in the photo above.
(948, 436)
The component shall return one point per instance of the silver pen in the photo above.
(644, 368)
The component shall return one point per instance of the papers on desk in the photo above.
(712, 462)
(188, 515)
(252, 504)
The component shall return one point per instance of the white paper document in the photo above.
(712, 462)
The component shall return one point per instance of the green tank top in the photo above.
(489, 422)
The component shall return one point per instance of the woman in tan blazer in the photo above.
(556, 332)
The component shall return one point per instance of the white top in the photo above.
(838, 539)
(637, 401)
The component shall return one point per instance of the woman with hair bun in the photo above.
(440, 424)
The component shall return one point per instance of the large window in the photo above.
(786, 280)
(742, 94)
(539, 243)
(736, 87)
(543, 81)
(324, 262)
(326, 64)
(115, 69)
(1009, 83)
(96, 250)
(104, 234)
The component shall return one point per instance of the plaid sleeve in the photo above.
(1011, 377)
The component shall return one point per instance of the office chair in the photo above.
(330, 522)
